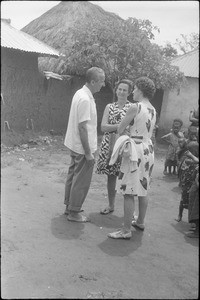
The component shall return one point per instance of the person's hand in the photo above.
(126, 132)
(188, 161)
(90, 158)
(108, 157)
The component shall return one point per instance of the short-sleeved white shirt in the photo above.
(83, 108)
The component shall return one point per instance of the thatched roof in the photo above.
(54, 26)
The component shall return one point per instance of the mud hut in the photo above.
(179, 103)
(22, 90)
(54, 28)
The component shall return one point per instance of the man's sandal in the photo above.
(81, 219)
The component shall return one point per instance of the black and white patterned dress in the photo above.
(138, 182)
(115, 117)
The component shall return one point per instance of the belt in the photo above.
(139, 137)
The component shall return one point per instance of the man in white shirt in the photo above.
(81, 139)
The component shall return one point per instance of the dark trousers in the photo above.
(78, 181)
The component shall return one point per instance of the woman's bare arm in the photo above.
(105, 127)
(130, 114)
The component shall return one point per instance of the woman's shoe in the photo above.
(120, 235)
(134, 218)
(137, 226)
(106, 211)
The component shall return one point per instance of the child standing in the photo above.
(188, 173)
(181, 154)
(193, 207)
(172, 139)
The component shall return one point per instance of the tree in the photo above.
(188, 42)
(168, 51)
(123, 49)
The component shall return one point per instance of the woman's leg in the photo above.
(143, 203)
(111, 184)
(128, 211)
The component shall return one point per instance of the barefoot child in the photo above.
(188, 173)
(172, 139)
(181, 154)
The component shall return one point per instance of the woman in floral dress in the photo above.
(136, 183)
(113, 114)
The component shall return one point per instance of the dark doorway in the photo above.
(157, 100)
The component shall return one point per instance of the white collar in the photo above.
(87, 90)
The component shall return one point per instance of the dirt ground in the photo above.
(46, 256)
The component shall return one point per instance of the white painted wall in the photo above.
(178, 105)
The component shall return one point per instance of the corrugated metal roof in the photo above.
(188, 63)
(13, 38)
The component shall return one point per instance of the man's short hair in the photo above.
(93, 74)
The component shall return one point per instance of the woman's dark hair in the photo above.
(146, 86)
(178, 121)
(125, 81)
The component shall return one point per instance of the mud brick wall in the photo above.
(28, 94)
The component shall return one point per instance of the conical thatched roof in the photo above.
(54, 26)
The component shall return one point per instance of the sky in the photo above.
(172, 17)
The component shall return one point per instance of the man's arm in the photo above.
(105, 127)
(84, 140)
(192, 117)
(167, 138)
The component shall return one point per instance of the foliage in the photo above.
(188, 42)
(123, 49)
(168, 51)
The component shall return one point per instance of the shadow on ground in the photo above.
(183, 227)
(61, 228)
(120, 247)
(108, 221)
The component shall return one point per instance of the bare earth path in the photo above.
(46, 256)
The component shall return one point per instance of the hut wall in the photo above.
(28, 95)
(178, 104)
(19, 79)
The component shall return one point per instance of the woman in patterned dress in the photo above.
(136, 183)
(113, 114)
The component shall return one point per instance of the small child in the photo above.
(193, 207)
(181, 154)
(172, 139)
(188, 169)
(192, 133)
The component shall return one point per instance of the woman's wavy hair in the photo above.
(146, 86)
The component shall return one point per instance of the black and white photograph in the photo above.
(99, 149)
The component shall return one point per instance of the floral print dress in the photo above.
(137, 182)
(115, 117)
